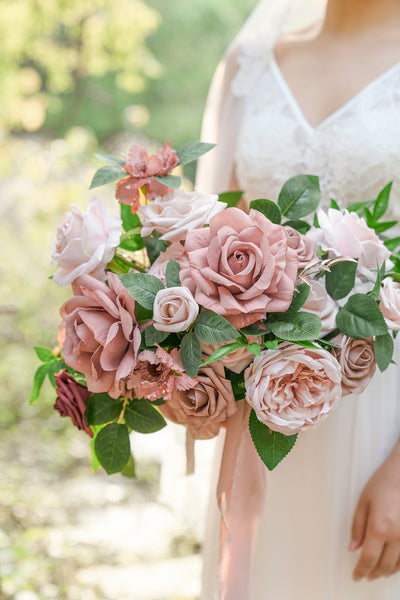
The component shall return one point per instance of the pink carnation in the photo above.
(158, 374)
(142, 170)
(240, 266)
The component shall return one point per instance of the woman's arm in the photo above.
(376, 524)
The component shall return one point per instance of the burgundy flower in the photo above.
(142, 170)
(72, 400)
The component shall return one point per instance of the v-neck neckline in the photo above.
(334, 114)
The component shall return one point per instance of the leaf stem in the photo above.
(130, 263)
(129, 233)
(121, 416)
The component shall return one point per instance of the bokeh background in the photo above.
(78, 77)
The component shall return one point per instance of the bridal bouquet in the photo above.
(184, 305)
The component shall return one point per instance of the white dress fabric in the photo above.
(312, 495)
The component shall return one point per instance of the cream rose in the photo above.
(174, 309)
(357, 362)
(344, 233)
(85, 243)
(176, 213)
(390, 303)
(320, 303)
(293, 388)
(235, 361)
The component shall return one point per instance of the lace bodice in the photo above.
(355, 151)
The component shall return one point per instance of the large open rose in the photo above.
(240, 266)
(207, 406)
(85, 243)
(102, 335)
(293, 388)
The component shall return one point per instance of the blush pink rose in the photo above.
(293, 389)
(71, 400)
(158, 374)
(85, 243)
(235, 361)
(390, 303)
(142, 170)
(159, 266)
(176, 213)
(344, 233)
(206, 407)
(174, 309)
(240, 266)
(304, 247)
(320, 303)
(102, 336)
(357, 362)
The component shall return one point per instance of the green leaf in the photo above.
(112, 447)
(153, 336)
(44, 354)
(272, 446)
(361, 318)
(143, 287)
(230, 198)
(340, 279)
(130, 469)
(142, 416)
(52, 369)
(117, 161)
(221, 352)
(154, 246)
(133, 244)
(94, 460)
(252, 330)
(374, 293)
(272, 344)
(191, 354)
(172, 181)
(384, 348)
(300, 196)
(359, 207)
(106, 175)
(129, 220)
(192, 151)
(38, 380)
(315, 221)
(382, 202)
(300, 226)
(269, 209)
(214, 329)
(301, 326)
(299, 299)
(392, 244)
(172, 274)
(238, 384)
(381, 227)
(102, 409)
(334, 204)
(142, 314)
(79, 378)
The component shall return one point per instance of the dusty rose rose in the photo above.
(320, 303)
(357, 362)
(344, 233)
(71, 400)
(159, 266)
(304, 247)
(235, 361)
(293, 388)
(206, 407)
(85, 243)
(240, 267)
(142, 170)
(176, 213)
(174, 309)
(390, 303)
(102, 335)
(157, 374)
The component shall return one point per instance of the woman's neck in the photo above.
(350, 16)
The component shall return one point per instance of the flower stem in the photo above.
(121, 416)
(129, 234)
(130, 263)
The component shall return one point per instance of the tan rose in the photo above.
(174, 309)
(206, 407)
(293, 388)
(357, 362)
(390, 303)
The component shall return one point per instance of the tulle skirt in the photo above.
(302, 550)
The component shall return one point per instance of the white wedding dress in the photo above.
(311, 497)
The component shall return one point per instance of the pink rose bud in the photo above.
(174, 309)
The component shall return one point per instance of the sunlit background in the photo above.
(78, 77)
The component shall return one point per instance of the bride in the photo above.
(323, 99)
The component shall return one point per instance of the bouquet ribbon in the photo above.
(241, 492)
